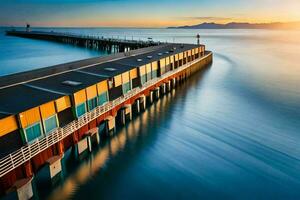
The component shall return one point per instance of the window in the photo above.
(154, 73)
(126, 87)
(80, 110)
(92, 103)
(149, 76)
(32, 132)
(102, 98)
(50, 124)
(143, 79)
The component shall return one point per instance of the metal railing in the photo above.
(24, 154)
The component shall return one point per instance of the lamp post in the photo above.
(198, 39)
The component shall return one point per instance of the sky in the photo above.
(139, 13)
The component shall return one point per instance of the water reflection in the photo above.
(138, 127)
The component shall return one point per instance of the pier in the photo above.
(111, 45)
(45, 112)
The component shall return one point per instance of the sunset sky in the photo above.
(139, 13)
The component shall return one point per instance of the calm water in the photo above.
(230, 132)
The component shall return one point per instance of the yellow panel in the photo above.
(142, 70)
(190, 52)
(148, 68)
(47, 110)
(91, 92)
(167, 60)
(30, 117)
(154, 66)
(196, 50)
(102, 87)
(180, 56)
(133, 73)
(193, 52)
(162, 62)
(118, 80)
(125, 77)
(62, 103)
(80, 97)
(8, 125)
(172, 59)
(176, 57)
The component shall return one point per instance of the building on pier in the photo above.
(41, 117)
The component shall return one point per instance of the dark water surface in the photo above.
(230, 132)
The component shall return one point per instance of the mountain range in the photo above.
(237, 25)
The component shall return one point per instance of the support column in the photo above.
(169, 85)
(174, 83)
(156, 93)
(22, 189)
(128, 112)
(92, 138)
(150, 98)
(111, 125)
(143, 102)
(163, 88)
(123, 116)
(54, 166)
(138, 106)
(82, 146)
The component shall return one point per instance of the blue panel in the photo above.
(33, 132)
(92, 103)
(51, 124)
(80, 110)
(103, 98)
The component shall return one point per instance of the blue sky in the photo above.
(151, 13)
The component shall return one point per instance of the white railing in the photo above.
(24, 154)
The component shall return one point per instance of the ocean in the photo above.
(231, 131)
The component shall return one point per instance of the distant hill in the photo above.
(236, 25)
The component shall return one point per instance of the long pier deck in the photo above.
(47, 111)
(111, 45)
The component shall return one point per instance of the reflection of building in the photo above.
(53, 110)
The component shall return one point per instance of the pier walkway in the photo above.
(111, 45)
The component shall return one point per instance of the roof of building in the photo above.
(23, 96)
(67, 83)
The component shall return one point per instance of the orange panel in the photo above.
(167, 60)
(180, 56)
(190, 52)
(142, 70)
(154, 65)
(102, 87)
(125, 77)
(176, 57)
(91, 92)
(30, 117)
(162, 62)
(133, 73)
(172, 59)
(47, 110)
(7, 125)
(80, 97)
(62, 103)
(118, 80)
(148, 68)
